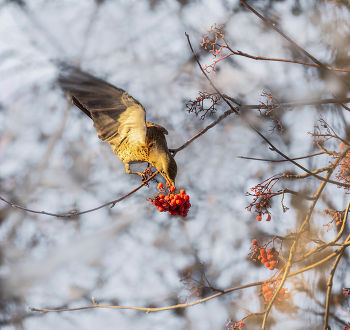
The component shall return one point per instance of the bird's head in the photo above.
(167, 167)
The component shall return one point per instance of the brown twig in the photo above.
(280, 160)
(261, 58)
(305, 225)
(330, 284)
(74, 214)
(235, 110)
(294, 44)
(200, 301)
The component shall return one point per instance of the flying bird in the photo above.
(120, 120)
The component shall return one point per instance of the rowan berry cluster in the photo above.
(337, 216)
(344, 171)
(175, 204)
(262, 193)
(267, 290)
(270, 258)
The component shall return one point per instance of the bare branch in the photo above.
(280, 160)
(294, 44)
(73, 213)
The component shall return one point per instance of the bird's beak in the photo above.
(168, 180)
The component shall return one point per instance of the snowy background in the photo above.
(132, 255)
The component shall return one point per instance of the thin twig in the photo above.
(294, 44)
(305, 225)
(200, 301)
(280, 160)
(235, 110)
(261, 58)
(74, 214)
(330, 285)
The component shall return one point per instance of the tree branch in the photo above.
(73, 213)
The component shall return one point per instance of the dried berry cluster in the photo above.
(346, 291)
(344, 171)
(199, 106)
(212, 43)
(337, 216)
(268, 290)
(175, 204)
(262, 193)
(270, 258)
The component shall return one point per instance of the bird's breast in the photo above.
(131, 152)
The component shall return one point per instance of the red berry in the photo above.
(160, 209)
(160, 185)
(172, 188)
(258, 218)
(273, 263)
(268, 217)
(255, 242)
(182, 192)
(269, 251)
(242, 324)
(263, 260)
(267, 264)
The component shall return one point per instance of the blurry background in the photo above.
(132, 255)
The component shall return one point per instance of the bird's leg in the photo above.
(128, 171)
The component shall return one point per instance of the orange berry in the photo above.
(267, 264)
(272, 267)
(259, 218)
(270, 257)
(263, 260)
(161, 195)
(337, 223)
(241, 324)
(269, 251)
(160, 185)
(273, 263)
(287, 295)
(182, 192)
(172, 188)
(265, 288)
(267, 296)
(160, 209)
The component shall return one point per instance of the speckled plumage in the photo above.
(120, 120)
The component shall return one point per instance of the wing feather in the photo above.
(116, 114)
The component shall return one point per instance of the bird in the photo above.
(120, 120)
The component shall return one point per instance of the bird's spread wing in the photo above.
(115, 113)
